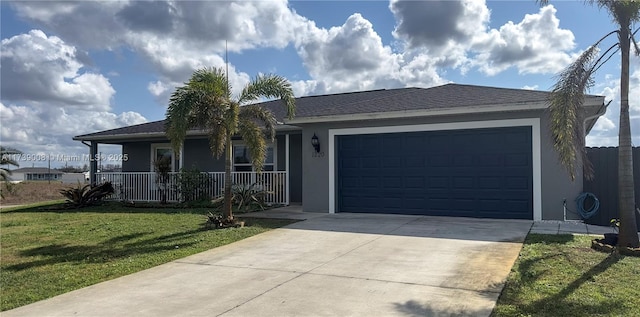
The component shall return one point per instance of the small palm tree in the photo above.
(7, 158)
(205, 103)
(567, 98)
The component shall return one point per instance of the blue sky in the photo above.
(70, 68)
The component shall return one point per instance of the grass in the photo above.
(47, 252)
(560, 275)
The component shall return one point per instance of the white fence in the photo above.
(146, 186)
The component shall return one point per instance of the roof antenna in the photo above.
(226, 61)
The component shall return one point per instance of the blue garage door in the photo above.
(485, 173)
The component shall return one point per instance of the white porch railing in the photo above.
(144, 186)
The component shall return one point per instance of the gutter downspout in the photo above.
(93, 164)
(602, 110)
(91, 171)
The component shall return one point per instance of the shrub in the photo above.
(248, 197)
(193, 185)
(162, 167)
(82, 196)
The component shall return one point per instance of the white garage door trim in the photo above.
(534, 123)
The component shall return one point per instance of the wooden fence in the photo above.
(605, 182)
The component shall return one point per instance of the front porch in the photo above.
(148, 187)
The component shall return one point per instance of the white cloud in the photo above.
(458, 33)
(176, 37)
(605, 132)
(352, 57)
(43, 69)
(537, 44)
(438, 26)
(47, 98)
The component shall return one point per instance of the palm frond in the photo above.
(254, 140)
(7, 156)
(565, 103)
(178, 116)
(635, 43)
(4, 174)
(200, 104)
(217, 139)
(261, 116)
(269, 86)
(623, 12)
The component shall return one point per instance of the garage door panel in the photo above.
(479, 173)
(489, 182)
(517, 183)
(463, 160)
(438, 160)
(414, 182)
(462, 183)
(350, 163)
(490, 160)
(350, 183)
(392, 183)
(414, 161)
(391, 162)
(516, 138)
(370, 162)
(517, 159)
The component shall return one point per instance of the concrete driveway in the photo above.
(334, 265)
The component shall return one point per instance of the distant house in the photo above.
(35, 174)
(451, 150)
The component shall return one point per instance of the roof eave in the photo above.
(537, 105)
(150, 135)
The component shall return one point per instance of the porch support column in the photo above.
(286, 167)
(93, 162)
(181, 157)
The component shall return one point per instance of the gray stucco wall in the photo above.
(139, 157)
(295, 168)
(555, 184)
(197, 154)
(315, 170)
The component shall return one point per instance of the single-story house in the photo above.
(450, 150)
(35, 174)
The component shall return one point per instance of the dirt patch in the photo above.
(486, 267)
(32, 192)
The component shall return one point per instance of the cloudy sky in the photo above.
(70, 68)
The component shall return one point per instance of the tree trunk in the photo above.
(226, 211)
(628, 236)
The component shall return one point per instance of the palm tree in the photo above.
(205, 103)
(7, 157)
(567, 97)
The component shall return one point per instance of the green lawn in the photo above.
(560, 275)
(49, 252)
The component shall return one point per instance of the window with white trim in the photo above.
(158, 151)
(242, 159)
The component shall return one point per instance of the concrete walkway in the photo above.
(568, 227)
(331, 265)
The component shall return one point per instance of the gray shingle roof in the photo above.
(447, 96)
(149, 127)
